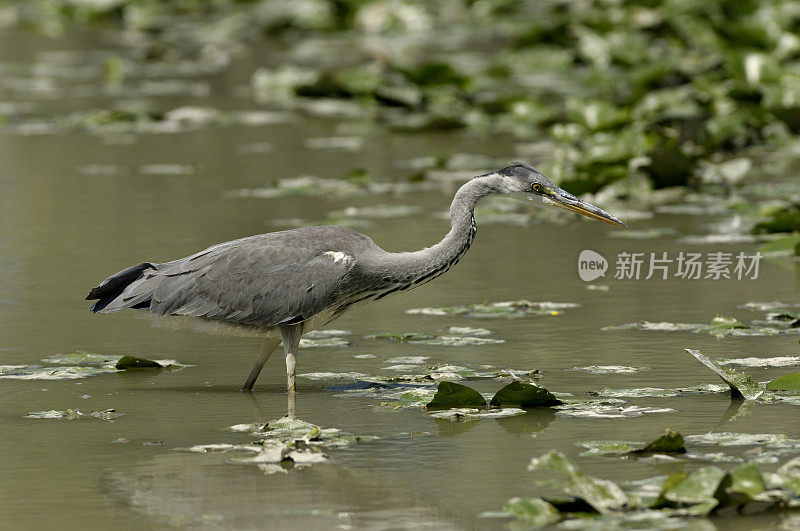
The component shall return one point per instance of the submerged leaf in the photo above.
(524, 396)
(741, 384)
(453, 395)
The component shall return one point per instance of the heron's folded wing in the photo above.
(252, 282)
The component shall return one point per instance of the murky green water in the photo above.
(70, 224)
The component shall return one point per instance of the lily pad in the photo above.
(533, 511)
(453, 395)
(132, 362)
(698, 487)
(471, 414)
(525, 396)
(507, 309)
(787, 382)
(324, 342)
(607, 369)
(670, 442)
(457, 341)
(777, 361)
(401, 337)
(605, 409)
(741, 384)
(74, 414)
(603, 495)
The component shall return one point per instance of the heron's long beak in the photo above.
(562, 199)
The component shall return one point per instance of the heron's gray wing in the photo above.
(260, 280)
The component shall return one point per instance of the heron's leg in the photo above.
(267, 348)
(291, 342)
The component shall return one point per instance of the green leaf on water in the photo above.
(785, 245)
(603, 495)
(745, 481)
(131, 362)
(698, 488)
(789, 472)
(720, 324)
(670, 442)
(452, 395)
(787, 382)
(399, 336)
(522, 395)
(741, 384)
(533, 511)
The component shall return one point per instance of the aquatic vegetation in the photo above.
(74, 414)
(453, 395)
(401, 337)
(720, 326)
(76, 365)
(787, 382)
(461, 414)
(318, 342)
(507, 309)
(742, 385)
(610, 408)
(524, 396)
(777, 361)
(459, 336)
(608, 369)
(132, 362)
(658, 392)
(670, 442)
(283, 443)
(707, 490)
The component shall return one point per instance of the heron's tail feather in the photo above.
(112, 287)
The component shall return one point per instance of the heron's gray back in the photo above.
(266, 280)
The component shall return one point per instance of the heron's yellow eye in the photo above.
(536, 188)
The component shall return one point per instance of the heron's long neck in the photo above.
(415, 268)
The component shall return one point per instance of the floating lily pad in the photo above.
(507, 310)
(670, 442)
(533, 511)
(27, 372)
(604, 496)
(787, 382)
(453, 395)
(408, 359)
(720, 326)
(608, 369)
(131, 363)
(469, 331)
(605, 409)
(741, 384)
(698, 488)
(777, 361)
(457, 341)
(399, 336)
(321, 342)
(471, 414)
(525, 396)
(74, 414)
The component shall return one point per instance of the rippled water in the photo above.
(70, 223)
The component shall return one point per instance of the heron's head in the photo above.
(522, 180)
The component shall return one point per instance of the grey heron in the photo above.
(283, 284)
